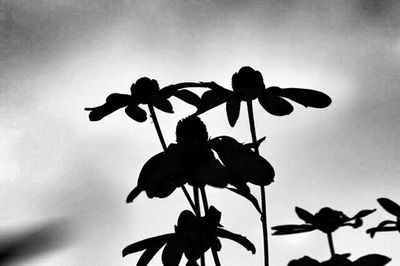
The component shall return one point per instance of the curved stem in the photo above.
(331, 246)
(205, 205)
(162, 141)
(262, 188)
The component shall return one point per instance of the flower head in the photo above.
(248, 83)
(387, 225)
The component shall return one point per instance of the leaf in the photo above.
(188, 97)
(172, 253)
(304, 215)
(136, 113)
(274, 104)
(148, 254)
(372, 260)
(114, 102)
(146, 243)
(163, 105)
(362, 214)
(237, 238)
(247, 195)
(390, 206)
(233, 110)
(292, 229)
(306, 97)
(211, 99)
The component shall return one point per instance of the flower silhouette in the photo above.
(326, 220)
(144, 91)
(342, 260)
(387, 225)
(248, 85)
(191, 160)
(193, 237)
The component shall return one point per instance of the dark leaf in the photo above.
(211, 99)
(372, 260)
(163, 105)
(233, 110)
(306, 97)
(188, 97)
(304, 215)
(114, 102)
(136, 113)
(237, 238)
(247, 195)
(146, 243)
(362, 214)
(390, 206)
(149, 253)
(275, 105)
(172, 253)
(292, 229)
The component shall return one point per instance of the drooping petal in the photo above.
(163, 105)
(292, 229)
(136, 113)
(237, 238)
(306, 97)
(304, 215)
(146, 243)
(188, 97)
(233, 110)
(390, 206)
(211, 99)
(172, 253)
(114, 102)
(149, 254)
(372, 260)
(362, 214)
(246, 194)
(275, 105)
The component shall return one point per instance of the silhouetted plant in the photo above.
(248, 85)
(342, 260)
(193, 236)
(387, 225)
(326, 220)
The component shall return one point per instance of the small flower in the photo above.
(191, 160)
(326, 220)
(387, 225)
(248, 85)
(193, 237)
(342, 260)
(144, 91)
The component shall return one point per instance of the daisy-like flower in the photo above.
(343, 260)
(191, 160)
(193, 236)
(144, 91)
(387, 225)
(248, 85)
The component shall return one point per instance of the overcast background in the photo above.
(59, 56)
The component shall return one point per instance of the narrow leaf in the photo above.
(237, 238)
(274, 104)
(247, 195)
(372, 260)
(304, 215)
(390, 206)
(146, 243)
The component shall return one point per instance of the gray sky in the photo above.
(55, 163)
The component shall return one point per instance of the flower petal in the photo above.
(188, 97)
(149, 254)
(372, 260)
(114, 102)
(237, 238)
(146, 243)
(390, 206)
(246, 194)
(211, 99)
(136, 113)
(163, 104)
(304, 215)
(292, 229)
(172, 253)
(306, 97)
(362, 214)
(233, 110)
(275, 105)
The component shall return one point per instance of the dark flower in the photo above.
(326, 220)
(248, 85)
(144, 91)
(387, 225)
(193, 237)
(342, 260)
(191, 160)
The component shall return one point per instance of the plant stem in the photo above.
(205, 204)
(262, 188)
(160, 136)
(331, 246)
(198, 213)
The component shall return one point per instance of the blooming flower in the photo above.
(248, 85)
(193, 237)
(392, 208)
(326, 220)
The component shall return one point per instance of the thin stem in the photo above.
(198, 213)
(162, 141)
(331, 246)
(262, 188)
(205, 204)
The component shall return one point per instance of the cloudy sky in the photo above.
(56, 165)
